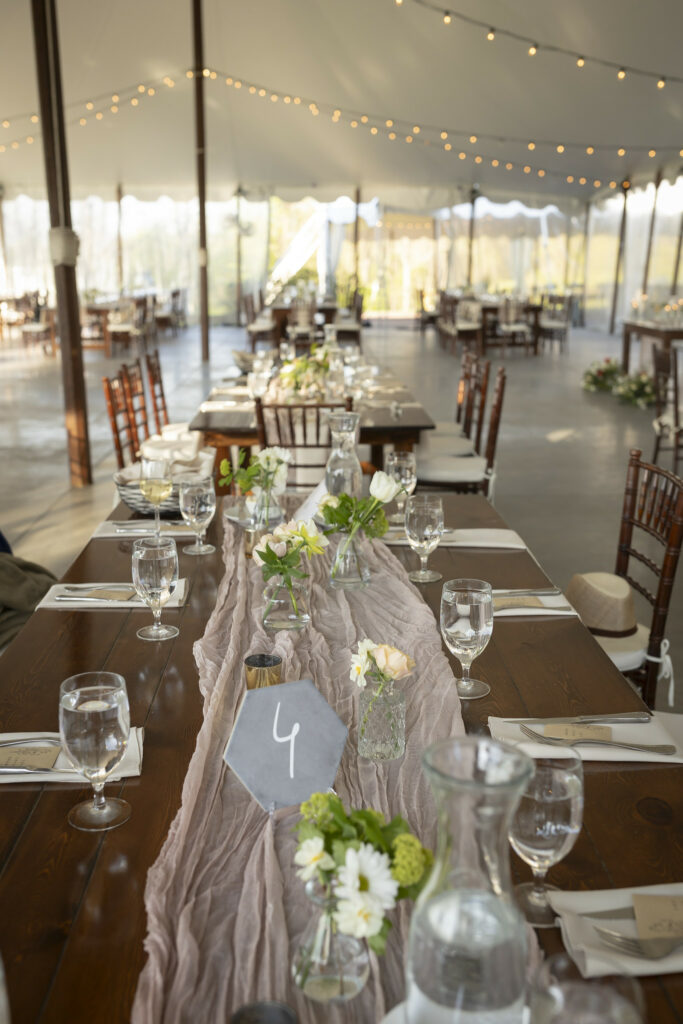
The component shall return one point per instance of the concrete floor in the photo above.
(561, 458)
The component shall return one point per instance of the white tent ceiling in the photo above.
(363, 57)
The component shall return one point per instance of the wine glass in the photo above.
(545, 827)
(466, 626)
(155, 575)
(94, 726)
(402, 467)
(197, 507)
(424, 526)
(560, 995)
(155, 484)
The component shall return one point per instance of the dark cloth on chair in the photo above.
(22, 585)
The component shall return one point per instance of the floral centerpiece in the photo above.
(281, 552)
(382, 717)
(601, 375)
(304, 377)
(352, 516)
(357, 866)
(635, 389)
(264, 478)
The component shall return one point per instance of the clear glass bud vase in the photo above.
(350, 569)
(267, 512)
(381, 722)
(343, 472)
(328, 966)
(286, 606)
(467, 952)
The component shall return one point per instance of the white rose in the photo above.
(329, 501)
(383, 487)
(280, 479)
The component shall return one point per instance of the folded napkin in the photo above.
(509, 605)
(130, 765)
(105, 598)
(180, 465)
(230, 391)
(657, 730)
(593, 957)
(310, 506)
(224, 405)
(179, 447)
(466, 539)
(141, 528)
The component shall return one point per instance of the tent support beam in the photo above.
(567, 252)
(651, 232)
(677, 261)
(620, 257)
(62, 238)
(238, 256)
(586, 228)
(119, 237)
(198, 40)
(473, 198)
(356, 236)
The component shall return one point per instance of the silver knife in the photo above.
(623, 717)
(7, 770)
(76, 599)
(531, 592)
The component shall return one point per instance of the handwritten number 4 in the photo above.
(284, 739)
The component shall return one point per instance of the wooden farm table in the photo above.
(281, 311)
(379, 424)
(492, 309)
(71, 903)
(663, 335)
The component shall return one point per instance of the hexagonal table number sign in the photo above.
(286, 743)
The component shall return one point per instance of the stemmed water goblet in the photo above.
(94, 726)
(560, 995)
(466, 627)
(424, 527)
(545, 827)
(402, 467)
(156, 485)
(155, 575)
(197, 495)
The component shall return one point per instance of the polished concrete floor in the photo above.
(562, 452)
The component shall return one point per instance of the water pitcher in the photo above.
(343, 473)
(467, 952)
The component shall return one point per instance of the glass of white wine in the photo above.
(545, 827)
(197, 507)
(156, 484)
(94, 725)
(424, 527)
(155, 576)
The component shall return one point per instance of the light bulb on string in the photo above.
(533, 50)
(661, 83)
(621, 74)
(580, 62)
(560, 148)
(447, 18)
(491, 35)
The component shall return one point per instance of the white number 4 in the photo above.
(284, 739)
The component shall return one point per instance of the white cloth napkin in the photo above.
(593, 957)
(177, 598)
(224, 405)
(552, 604)
(141, 528)
(466, 539)
(658, 730)
(179, 448)
(201, 463)
(130, 765)
(230, 391)
(310, 506)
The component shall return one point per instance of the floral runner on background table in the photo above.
(225, 905)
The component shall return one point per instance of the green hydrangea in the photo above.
(317, 810)
(409, 860)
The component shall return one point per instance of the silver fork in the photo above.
(649, 748)
(78, 588)
(650, 949)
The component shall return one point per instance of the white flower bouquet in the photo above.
(351, 515)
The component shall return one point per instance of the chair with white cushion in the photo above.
(652, 519)
(667, 423)
(468, 474)
(513, 327)
(462, 436)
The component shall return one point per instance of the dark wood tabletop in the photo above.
(663, 333)
(71, 903)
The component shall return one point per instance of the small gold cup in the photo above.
(252, 536)
(262, 670)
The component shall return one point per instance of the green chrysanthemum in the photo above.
(317, 810)
(409, 860)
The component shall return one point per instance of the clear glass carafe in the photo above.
(467, 952)
(343, 473)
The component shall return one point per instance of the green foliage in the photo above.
(244, 477)
(352, 514)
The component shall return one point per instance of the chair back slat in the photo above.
(494, 418)
(467, 365)
(156, 389)
(123, 430)
(134, 395)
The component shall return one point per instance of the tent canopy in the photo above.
(365, 58)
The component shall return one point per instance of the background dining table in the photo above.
(72, 903)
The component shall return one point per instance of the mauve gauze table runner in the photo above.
(225, 907)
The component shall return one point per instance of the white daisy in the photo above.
(310, 856)
(367, 871)
(359, 915)
(360, 663)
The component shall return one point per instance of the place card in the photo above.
(658, 917)
(578, 732)
(32, 756)
(286, 743)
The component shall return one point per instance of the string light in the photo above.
(5, 124)
(373, 130)
(90, 106)
(462, 156)
(527, 169)
(416, 129)
(447, 18)
(590, 150)
(364, 120)
(531, 146)
(495, 163)
(661, 83)
(151, 91)
(141, 88)
(99, 115)
(508, 167)
(392, 135)
(115, 98)
(560, 148)
(473, 139)
(83, 121)
(444, 135)
(541, 173)
(533, 50)
(621, 151)
(34, 119)
(612, 184)
(652, 153)
(190, 74)
(582, 181)
(621, 74)
(448, 147)
(491, 35)
(134, 102)
(580, 62)
(114, 109)
(570, 179)
(597, 183)
(262, 92)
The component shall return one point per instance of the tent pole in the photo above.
(435, 234)
(201, 174)
(620, 256)
(3, 249)
(650, 235)
(119, 238)
(473, 199)
(677, 261)
(586, 226)
(63, 241)
(356, 235)
(268, 230)
(567, 249)
(238, 257)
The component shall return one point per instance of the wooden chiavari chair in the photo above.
(304, 431)
(667, 423)
(125, 437)
(134, 396)
(464, 435)
(156, 390)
